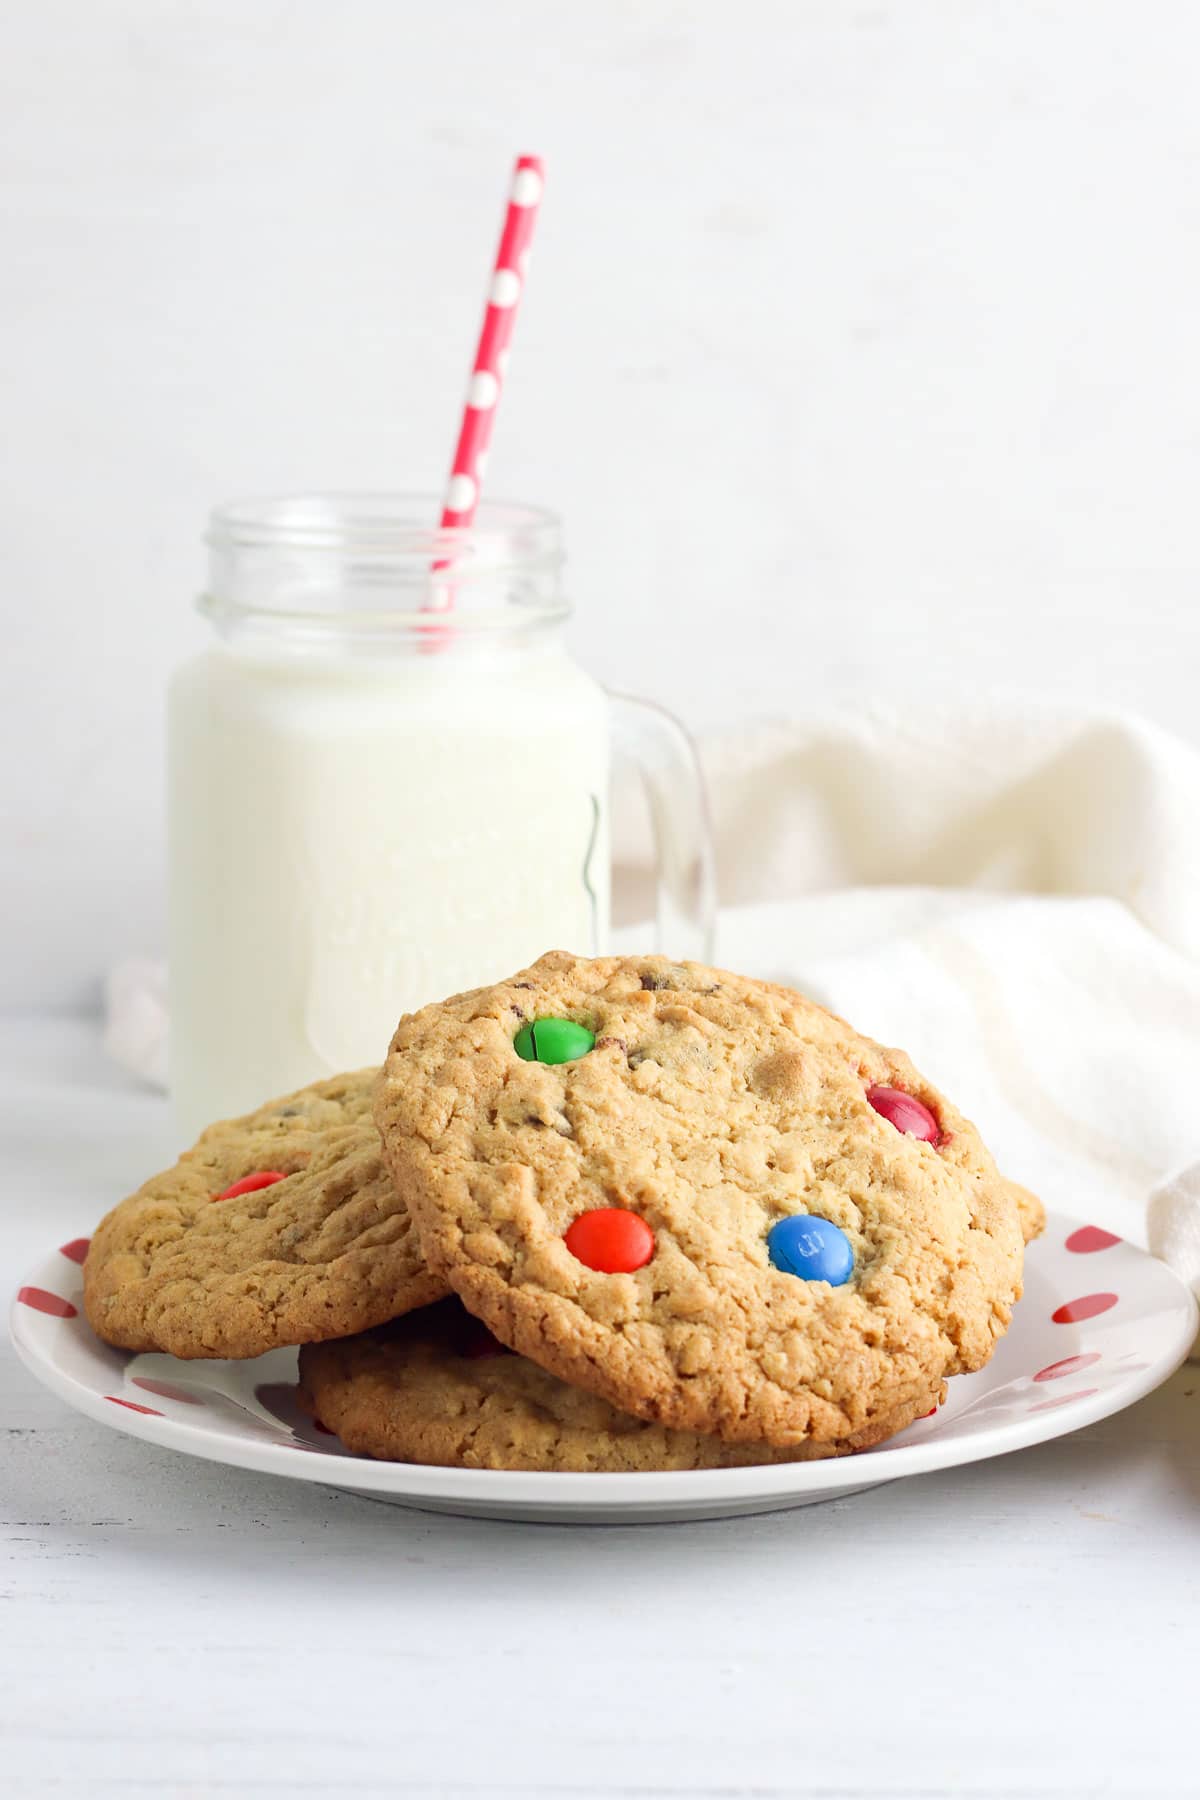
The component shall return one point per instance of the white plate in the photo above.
(1101, 1324)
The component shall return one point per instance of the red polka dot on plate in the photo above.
(166, 1390)
(1090, 1238)
(77, 1249)
(1073, 1312)
(134, 1407)
(1064, 1400)
(1070, 1365)
(44, 1302)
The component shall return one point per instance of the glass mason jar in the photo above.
(389, 782)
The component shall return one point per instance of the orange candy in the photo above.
(611, 1240)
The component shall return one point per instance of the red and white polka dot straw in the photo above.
(487, 373)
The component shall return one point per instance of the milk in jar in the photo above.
(387, 782)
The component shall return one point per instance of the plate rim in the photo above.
(569, 1490)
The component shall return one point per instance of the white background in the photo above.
(860, 353)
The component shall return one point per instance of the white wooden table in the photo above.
(1028, 1626)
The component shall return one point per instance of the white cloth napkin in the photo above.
(1010, 891)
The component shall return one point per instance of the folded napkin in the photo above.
(1011, 892)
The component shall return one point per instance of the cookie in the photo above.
(282, 1227)
(437, 1387)
(699, 1196)
(1030, 1211)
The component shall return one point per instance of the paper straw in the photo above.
(491, 357)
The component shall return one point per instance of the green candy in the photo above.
(553, 1041)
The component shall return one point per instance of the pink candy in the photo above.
(905, 1112)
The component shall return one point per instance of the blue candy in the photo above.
(814, 1249)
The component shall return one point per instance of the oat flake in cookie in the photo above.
(437, 1387)
(698, 1116)
(282, 1227)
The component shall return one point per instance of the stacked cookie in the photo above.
(609, 1215)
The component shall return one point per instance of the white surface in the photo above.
(858, 351)
(1023, 1627)
(1048, 1377)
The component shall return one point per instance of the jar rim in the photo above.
(367, 563)
(396, 523)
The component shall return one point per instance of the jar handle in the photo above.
(674, 787)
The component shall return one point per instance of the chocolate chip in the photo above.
(654, 984)
(524, 984)
(604, 1043)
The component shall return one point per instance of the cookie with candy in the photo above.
(282, 1227)
(702, 1198)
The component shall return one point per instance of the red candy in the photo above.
(905, 1112)
(611, 1240)
(250, 1184)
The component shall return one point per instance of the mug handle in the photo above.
(674, 787)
